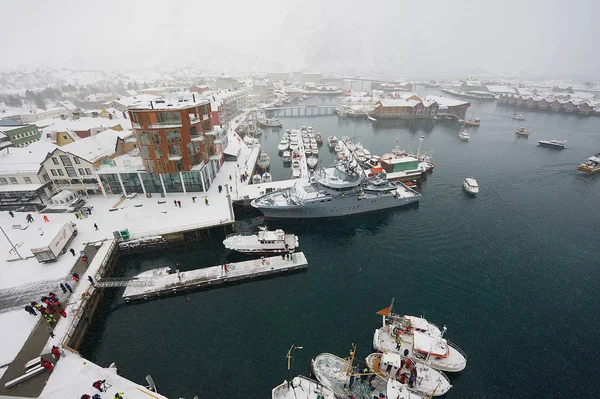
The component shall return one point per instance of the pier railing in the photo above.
(181, 229)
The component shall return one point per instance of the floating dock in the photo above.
(165, 283)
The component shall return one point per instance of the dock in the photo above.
(165, 283)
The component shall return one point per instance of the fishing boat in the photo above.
(312, 162)
(559, 144)
(590, 165)
(419, 341)
(470, 185)
(473, 122)
(301, 387)
(264, 161)
(287, 157)
(463, 135)
(332, 141)
(266, 177)
(418, 376)
(263, 243)
(263, 121)
(319, 138)
(284, 144)
(522, 131)
(347, 381)
(518, 117)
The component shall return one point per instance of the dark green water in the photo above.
(513, 273)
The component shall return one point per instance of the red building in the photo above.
(174, 135)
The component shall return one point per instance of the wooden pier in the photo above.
(164, 283)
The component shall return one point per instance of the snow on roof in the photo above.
(25, 159)
(10, 128)
(131, 92)
(97, 146)
(170, 103)
(524, 91)
(473, 83)
(498, 89)
(128, 101)
(446, 101)
(9, 188)
(126, 163)
(86, 123)
(399, 103)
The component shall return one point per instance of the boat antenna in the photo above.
(419, 149)
(289, 362)
(351, 360)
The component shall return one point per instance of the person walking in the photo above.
(62, 312)
(72, 251)
(179, 203)
(96, 226)
(220, 188)
(12, 215)
(91, 280)
(62, 287)
(75, 276)
(175, 202)
(55, 352)
(229, 177)
(30, 310)
(206, 200)
(29, 218)
(46, 220)
(67, 286)
(119, 395)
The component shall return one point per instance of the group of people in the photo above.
(101, 386)
(49, 308)
(244, 177)
(83, 213)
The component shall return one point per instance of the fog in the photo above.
(394, 38)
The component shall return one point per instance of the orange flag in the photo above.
(385, 311)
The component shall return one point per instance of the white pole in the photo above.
(101, 185)
(162, 183)
(182, 184)
(122, 185)
(139, 175)
(11, 244)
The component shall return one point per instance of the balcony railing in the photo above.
(174, 157)
(158, 125)
(197, 137)
(194, 119)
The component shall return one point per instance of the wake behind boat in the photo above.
(263, 243)
(335, 191)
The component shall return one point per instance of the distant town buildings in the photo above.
(21, 135)
(408, 107)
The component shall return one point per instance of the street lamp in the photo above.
(11, 244)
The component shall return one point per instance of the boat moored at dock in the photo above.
(264, 242)
(301, 387)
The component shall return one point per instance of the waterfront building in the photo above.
(449, 106)
(199, 89)
(40, 114)
(396, 86)
(473, 85)
(21, 135)
(278, 76)
(73, 166)
(410, 107)
(178, 144)
(23, 177)
(122, 103)
(65, 131)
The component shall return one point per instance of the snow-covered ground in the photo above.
(16, 327)
(73, 376)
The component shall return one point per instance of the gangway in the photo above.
(113, 282)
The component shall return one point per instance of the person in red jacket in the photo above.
(55, 352)
(47, 365)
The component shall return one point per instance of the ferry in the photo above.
(559, 144)
(266, 242)
(590, 165)
(338, 190)
(268, 122)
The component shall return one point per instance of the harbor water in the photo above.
(512, 273)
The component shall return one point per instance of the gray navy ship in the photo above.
(335, 191)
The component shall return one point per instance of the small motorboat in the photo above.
(265, 242)
(266, 177)
(523, 132)
(284, 144)
(319, 138)
(264, 161)
(590, 165)
(312, 162)
(338, 147)
(332, 141)
(473, 122)
(295, 173)
(518, 117)
(470, 185)
(309, 129)
(463, 135)
(314, 152)
(287, 157)
(559, 144)
(302, 388)
(256, 179)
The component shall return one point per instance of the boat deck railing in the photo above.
(453, 345)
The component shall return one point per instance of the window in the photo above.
(193, 131)
(88, 172)
(145, 152)
(27, 180)
(13, 180)
(144, 137)
(168, 117)
(174, 150)
(66, 160)
(53, 171)
(65, 137)
(71, 171)
(55, 161)
(173, 136)
(81, 171)
(46, 177)
(156, 137)
(3, 180)
(77, 161)
(60, 172)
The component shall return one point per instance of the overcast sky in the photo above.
(395, 38)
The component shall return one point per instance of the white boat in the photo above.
(319, 138)
(287, 157)
(518, 117)
(309, 129)
(303, 128)
(296, 173)
(250, 141)
(338, 147)
(266, 177)
(347, 381)
(332, 141)
(264, 242)
(470, 185)
(264, 161)
(256, 179)
(590, 165)
(284, 144)
(307, 151)
(312, 162)
(314, 152)
(522, 131)
(268, 122)
(408, 373)
(463, 135)
(560, 144)
(359, 155)
(301, 387)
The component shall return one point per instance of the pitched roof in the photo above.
(97, 146)
(25, 159)
(448, 102)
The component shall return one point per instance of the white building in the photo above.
(23, 178)
(38, 115)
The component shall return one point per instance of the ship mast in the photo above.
(289, 362)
